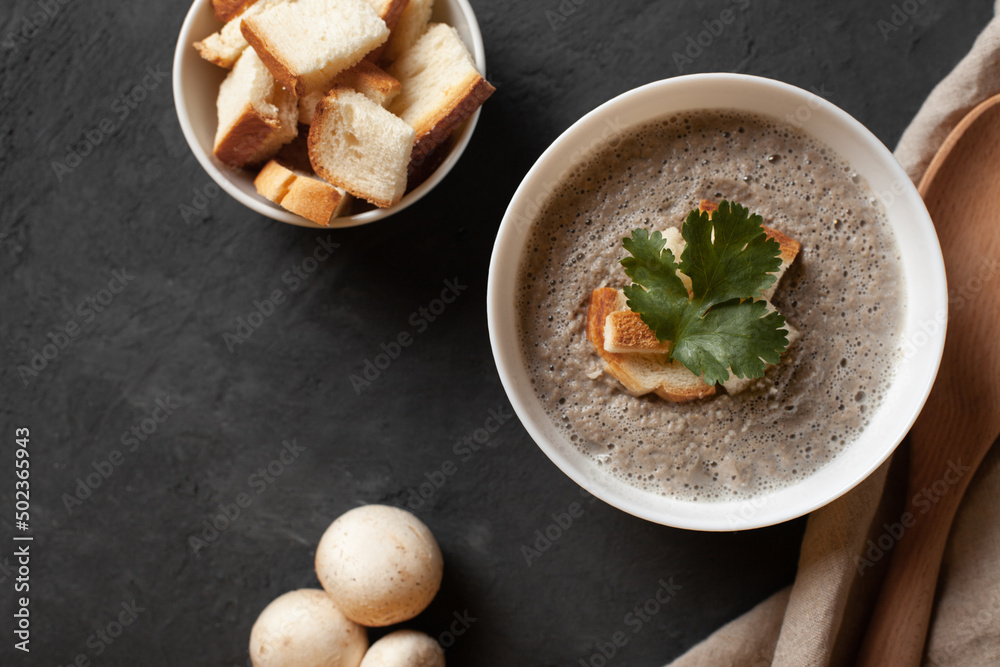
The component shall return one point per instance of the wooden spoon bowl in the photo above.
(961, 419)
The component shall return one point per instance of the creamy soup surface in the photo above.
(844, 293)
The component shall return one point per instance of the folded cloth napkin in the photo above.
(821, 619)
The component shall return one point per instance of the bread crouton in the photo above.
(412, 24)
(306, 43)
(640, 374)
(256, 115)
(301, 193)
(224, 47)
(227, 10)
(441, 87)
(390, 11)
(359, 146)
(366, 78)
(624, 339)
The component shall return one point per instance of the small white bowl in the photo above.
(923, 268)
(196, 89)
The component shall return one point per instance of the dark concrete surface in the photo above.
(161, 341)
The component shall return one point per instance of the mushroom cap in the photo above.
(380, 564)
(304, 628)
(405, 648)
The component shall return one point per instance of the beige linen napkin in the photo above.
(822, 617)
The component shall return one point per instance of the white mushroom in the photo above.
(405, 648)
(380, 564)
(304, 628)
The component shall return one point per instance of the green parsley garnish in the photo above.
(724, 323)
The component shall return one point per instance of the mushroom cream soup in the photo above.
(844, 293)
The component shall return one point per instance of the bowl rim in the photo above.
(183, 51)
(507, 252)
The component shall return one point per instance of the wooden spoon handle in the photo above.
(960, 420)
(898, 629)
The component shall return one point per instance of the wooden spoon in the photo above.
(962, 417)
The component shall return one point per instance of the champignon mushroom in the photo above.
(381, 565)
(304, 628)
(405, 648)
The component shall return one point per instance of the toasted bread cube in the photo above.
(632, 353)
(301, 193)
(223, 48)
(227, 10)
(625, 332)
(640, 374)
(306, 43)
(256, 115)
(366, 78)
(441, 87)
(390, 11)
(359, 146)
(412, 24)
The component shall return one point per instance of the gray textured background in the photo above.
(162, 338)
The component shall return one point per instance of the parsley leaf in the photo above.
(723, 323)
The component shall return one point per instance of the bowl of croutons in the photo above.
(329, 113)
